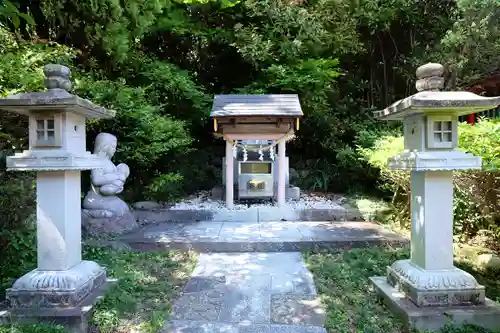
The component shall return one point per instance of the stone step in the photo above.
(186, 326)
(259, 214)
(282, 236)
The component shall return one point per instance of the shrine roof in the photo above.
(234, 105)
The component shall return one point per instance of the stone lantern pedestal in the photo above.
(427, 290)
(63, 287)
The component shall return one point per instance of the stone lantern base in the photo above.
(435, 287)
(428, 300)
(40, 289)
(65, 297)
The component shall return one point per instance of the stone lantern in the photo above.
(428, 290)
(63, 282)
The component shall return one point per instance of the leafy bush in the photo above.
(476, 200)
(147, 140)
(166, 187)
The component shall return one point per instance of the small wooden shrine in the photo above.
(240, 118)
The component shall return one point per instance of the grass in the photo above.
(141, 300)
(341, 278)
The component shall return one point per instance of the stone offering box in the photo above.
(63, 287)
(428, 290)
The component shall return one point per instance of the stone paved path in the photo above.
(248, 293)
(211, 236)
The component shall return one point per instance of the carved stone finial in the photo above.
(57, 77)
(430, 77)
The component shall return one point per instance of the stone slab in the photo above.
(257, 214)
(204, 305)
(195, 231)
(246, 306)
(240, 292)
(251, 214)
(251, 236)
(249, 272)
(184, 326)
(240, 230)
(280, 329)
(203, 283)
(297, 310)
(296, 283)
(284, 230)
(162, 215)
(435, 318)
(274, 245)
(250, 282)
(75, 319)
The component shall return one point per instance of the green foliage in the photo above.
(351, 306)
(472, 45)
(18, 233)
(175, 91)
(147, 139)
(476, 204)
(158, 63)
(147, 285)
(341, 279)
(146, 135)
(140, 300)
(21, 63)
(39, 328)
(326, 51)
(10, 13)
(482, 140)
(166, 187)
(113, 30)
(306, 75)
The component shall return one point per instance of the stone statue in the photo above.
(103, 210)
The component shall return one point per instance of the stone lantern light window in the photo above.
(441, 132)
(46, 130)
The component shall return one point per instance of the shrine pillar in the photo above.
(229, 175)
(281, 172)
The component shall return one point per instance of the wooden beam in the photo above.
(254, 120)
(253, 136)
(256, 129)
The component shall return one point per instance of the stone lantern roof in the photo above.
(56, 97)
(430, 99)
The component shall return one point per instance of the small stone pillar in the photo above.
(63, 286)
(428, 290)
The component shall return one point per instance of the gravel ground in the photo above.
(202, 201)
